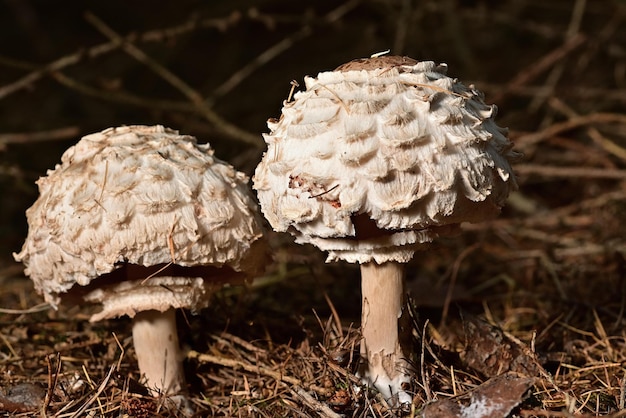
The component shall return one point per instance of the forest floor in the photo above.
(527, 310)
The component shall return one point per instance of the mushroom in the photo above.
(142, 221)
(372, 162)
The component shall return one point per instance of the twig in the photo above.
(275, 50)
(557, 71)
(594, 134)
(6, 342)
(457, 38)
(571, 172)
(403, 19)
(233, 339)
(588, 250)
(50, 135)
(75, 58)
(262, 59)
(95, 396)
(424, 375)
(54, 66)
(587, 204)
(37, 308)
(112, 96)
(252, 368)
(455, 272)
(336, 317)
(556, 216)
(314, 404)
(529, 73)
(580, 93)
(219, 23)
(192, 95)
(530, 26)
(577, 122)
(91, 383)
(237, 364)
(124, 97)
(622, 393)
(344, 373)
(121, 347)
(53, 378)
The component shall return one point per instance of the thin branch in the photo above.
(555, 216)
(37, 308)
(102, 94)
(532, 71)
(50, 135)
(573, 92)
(252, 368)
(571, 172)
(557, 128)
(262, 59)
(95, 396)
(557, 71)
(597, 137)
(192, 95)
(53, 378)
(323, 410)
(95, 51)
(275, 50)
(57, 65)
(404, 17)
(456, 266)
(124, 97)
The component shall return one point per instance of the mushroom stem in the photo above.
(382, 287)
(155, 339)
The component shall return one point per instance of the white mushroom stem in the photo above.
(382, 287)
(155, 339)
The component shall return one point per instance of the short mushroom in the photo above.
(142, 221)
(374, 160)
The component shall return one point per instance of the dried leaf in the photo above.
(490, 351)
(495, 398)
(22, 397)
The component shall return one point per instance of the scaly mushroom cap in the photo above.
(140, 196)
(386, 140)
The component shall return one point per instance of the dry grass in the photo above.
(539, 292)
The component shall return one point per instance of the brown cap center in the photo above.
(387, 61)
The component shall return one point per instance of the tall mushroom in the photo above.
(143, 221)
(371, 162)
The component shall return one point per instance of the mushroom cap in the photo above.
(141, 196)
(380, 156)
